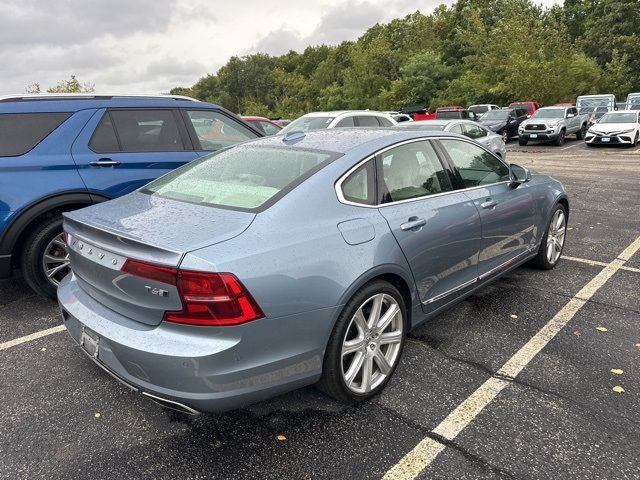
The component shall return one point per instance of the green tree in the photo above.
(64, 86)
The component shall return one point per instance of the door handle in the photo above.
(413, 223)
(489, 203)
(105, 162)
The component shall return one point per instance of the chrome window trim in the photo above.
(450, 291)
(344, 176)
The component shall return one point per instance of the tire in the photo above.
(46, 237)
(522, 143)
(561, 137)
(505, 135)
(635, 140)
(544, 260)
(581, 133)
(367, 346)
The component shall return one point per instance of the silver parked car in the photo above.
(481, 134)
(297, 259)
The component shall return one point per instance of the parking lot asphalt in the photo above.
(557, 416)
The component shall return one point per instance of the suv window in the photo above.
(21, 132)
(384, 122)
(412, 170)
(215, 130)
(368, 121)
(457, 128)
(475, 165)
(359, 187)
(473, 131)
(104, 138)
(138, 131)
(346, 122)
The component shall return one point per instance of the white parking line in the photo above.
(428, 449)
(572, 145)
(33, 336)
(600, 264)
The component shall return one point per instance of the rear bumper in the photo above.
(205, 369)
(5, 266)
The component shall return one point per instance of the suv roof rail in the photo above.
(85, 96)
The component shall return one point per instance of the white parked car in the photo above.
(490, 140)
(482, 108)
(340, 119)
(615, 128)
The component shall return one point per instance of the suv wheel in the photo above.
(560, 139)
(522, 143)
(366, 343)
(45, 261)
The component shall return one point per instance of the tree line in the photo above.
(475, 51)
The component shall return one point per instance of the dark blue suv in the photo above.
(63, 152)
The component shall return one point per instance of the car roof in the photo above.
(75, 102)
(555, 107)
(336, 113)
(344, 140)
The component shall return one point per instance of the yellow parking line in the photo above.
(423, 454)
(33, 336)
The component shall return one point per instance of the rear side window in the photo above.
(473, 131)
(475, 165)
(104, 138)
(368, 121)
(345, 122)
(215, 130)
(21, 132)
(244, 177)
(359, 187)
(384, 122)
(147, 130)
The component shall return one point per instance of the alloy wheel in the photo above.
(505, 136)
(371, 345)
(55, 260)
(555, 237)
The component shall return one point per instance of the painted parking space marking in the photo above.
(423, 454)
(571, 146)
(29, 338)
(599, 264)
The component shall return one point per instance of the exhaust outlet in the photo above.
(170, 404)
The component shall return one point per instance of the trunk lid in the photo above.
(146, 228)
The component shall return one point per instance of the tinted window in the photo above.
(20, 132)
(385, 122)
(104, 138)
(457, 128)
(359, 187)
(449, 114)
(346, 122)
(475, 165)
(269, 128)
(473, 131)
(241, 177)
(412, 170)
(215, 130)
(367, 121)
(147, 130)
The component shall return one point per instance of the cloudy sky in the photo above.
(149, 46)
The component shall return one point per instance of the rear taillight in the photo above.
(66, 239)
(208, 299)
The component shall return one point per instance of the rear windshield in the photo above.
(21, 132)
(495, 115)
(244, 177)
(308, 123)
(449, 114)
(479, 108)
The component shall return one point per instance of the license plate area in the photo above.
(90, 342)
(534, 135)
(606, 139)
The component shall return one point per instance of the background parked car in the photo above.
(418, 112)
(487, 138)
(309, 262)
(455, 113)
(63, 152)
(340, 119)
(615, 128)
(553, 124)
(400, 117)
(530, 106)
(482, 108)
(633, 101)
(266, 126)
(504, 122)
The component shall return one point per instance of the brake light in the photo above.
(208, 299)
(213, 299)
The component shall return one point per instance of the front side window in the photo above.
(215, 130)
(21, 132)
(412, 170)
(475, 165)
(244, 177)
(359, 187)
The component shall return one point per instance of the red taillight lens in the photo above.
(213, 299)
(65, 238)
(152, 272)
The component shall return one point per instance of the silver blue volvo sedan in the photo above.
(295, 260)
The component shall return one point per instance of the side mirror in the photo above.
(518, 175)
